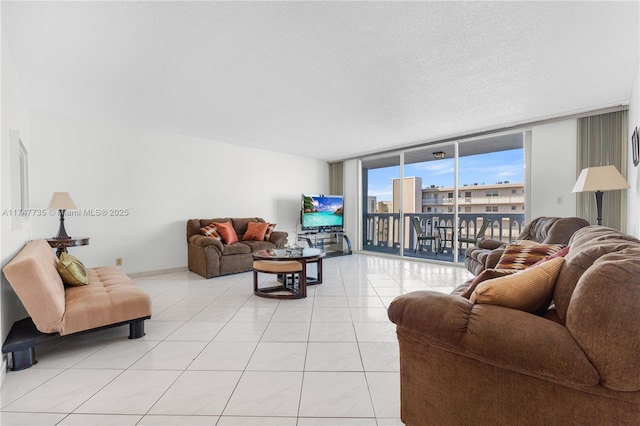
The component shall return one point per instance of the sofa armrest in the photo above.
(493, 258)
(491, 244)
(203, 241)
(279, 238)
(502, 337)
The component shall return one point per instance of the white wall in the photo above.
(14, 234)
(633, 173)
(161, 180)
(553, 169)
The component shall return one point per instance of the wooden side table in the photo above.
(62, 244)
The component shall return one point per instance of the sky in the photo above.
(487, 168)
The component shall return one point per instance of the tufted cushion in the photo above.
(109, 298)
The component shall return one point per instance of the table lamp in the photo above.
(61, 201)
(599, 179)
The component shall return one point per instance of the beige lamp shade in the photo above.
(61, 201)
(603, 178)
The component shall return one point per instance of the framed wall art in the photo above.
(635, 147)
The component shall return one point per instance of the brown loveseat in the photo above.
(211, 257)
(545, 230)
(109, 299)
(463, 363)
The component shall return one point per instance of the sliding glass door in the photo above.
(433, 171)
(433, 202)
(382, 204)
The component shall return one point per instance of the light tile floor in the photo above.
(215, 354)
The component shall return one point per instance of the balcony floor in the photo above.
(427, 253)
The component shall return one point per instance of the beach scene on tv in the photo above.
(322, 211)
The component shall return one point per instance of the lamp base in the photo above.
(62, 233)
(599, 195)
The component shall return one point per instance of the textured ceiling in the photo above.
(326, 80)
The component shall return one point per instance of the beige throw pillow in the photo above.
(529, 290)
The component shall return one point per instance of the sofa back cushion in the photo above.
(586, 246)
(34, 277)
(241, 224)
(194, 225)
(603, 317)
(552, 230)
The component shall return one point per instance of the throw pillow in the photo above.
(255, 231)
(211, 231)
(270, 228)
(71, 270)
(530, 290)
(562, 253)
(487, 274)
(226, 231)
(518, 256)
(526, 242)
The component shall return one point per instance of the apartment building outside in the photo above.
(501, 197)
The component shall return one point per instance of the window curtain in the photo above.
(602, 141)
(335, 178)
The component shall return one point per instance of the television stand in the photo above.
(333, 242)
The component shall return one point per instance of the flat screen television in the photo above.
(321, 212)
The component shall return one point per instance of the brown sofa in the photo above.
(109, 299)
(210, 257)
(545, 230)
(579, 364)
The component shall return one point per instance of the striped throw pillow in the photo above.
(270, 229)
(211, 231)
(518, 256)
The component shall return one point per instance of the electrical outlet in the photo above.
(118, 261)
(560, 199)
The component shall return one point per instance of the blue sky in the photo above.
(487, 168)
(327, 204)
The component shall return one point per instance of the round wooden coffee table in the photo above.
(291, 268)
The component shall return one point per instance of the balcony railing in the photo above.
(382, 231)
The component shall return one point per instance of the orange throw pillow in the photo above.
(255, 231)
(226, 231)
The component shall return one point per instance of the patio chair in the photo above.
(422, 236)
(480, 234)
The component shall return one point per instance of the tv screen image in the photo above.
(322, 212)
